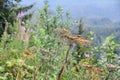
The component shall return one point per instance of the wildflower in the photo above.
(20, 14)
(14, 32)
(23, 28)
(87, 55)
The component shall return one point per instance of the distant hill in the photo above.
(102, 27)
(97, 22)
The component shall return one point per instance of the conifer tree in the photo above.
(9, 10)
(80, 26)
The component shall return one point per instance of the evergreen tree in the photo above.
(81, 25)
(9, 10)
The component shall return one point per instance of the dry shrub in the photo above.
(111, 66)
(94, 72)
(61, 30)
(78, 40)
(23, 35)
(29, 54)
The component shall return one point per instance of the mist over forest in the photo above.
(97, 14)
(59, 40)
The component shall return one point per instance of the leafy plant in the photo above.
(49, 51)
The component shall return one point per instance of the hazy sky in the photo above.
(85, 8)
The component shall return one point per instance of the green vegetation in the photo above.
(49, 51)
(10, 10)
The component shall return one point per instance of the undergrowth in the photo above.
(49, 51)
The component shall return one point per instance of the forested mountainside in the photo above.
(102, 32)
(102, 27)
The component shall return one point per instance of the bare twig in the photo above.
(65, 64)
(60, 72)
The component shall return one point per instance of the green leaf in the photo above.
(2, 69)
(91, 32)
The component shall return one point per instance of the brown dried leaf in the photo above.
(61, 30)
(76, 38)
(28, 53)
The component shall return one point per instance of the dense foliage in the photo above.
(10, 10)
(49, 51)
